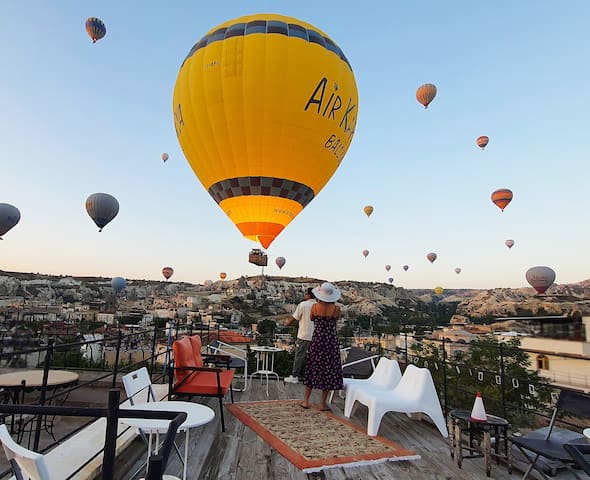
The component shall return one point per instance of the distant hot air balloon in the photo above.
(365, 253)
(509, 243)
(439, 290)
(405, 267)
(118, 284)
(165, 157)
(223, 275)
(239, 107)
(167, 272)
(457, 270)
(390, 279)
(482, 141)
(102, 208)
(368, 210)
(280, 261)
(9, 217)
(502, 198)
(425, 94)
(431, 257)
(388, 267)
(208, 283)
(540, 278)
(95, 28)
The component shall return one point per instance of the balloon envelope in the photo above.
(425, 94)
(457, 270)
(95, 28)
(540, 278)
(265, 108)
(118, 284)
(165, 157)
(223, 275)
(280, 261)
(502, 197)
(388, 267)
(9, 217)
(405, 267)
(102, 208)
(509, 243)
(431, 257)
(439, 290)
(167, 272)
(368, 210)
(390, 279)
(365, 253)
(482, 141)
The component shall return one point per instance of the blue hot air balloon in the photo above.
(390, 279)
(95, 28)
(9, 217)
(118, 284)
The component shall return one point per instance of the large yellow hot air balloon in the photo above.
(502, 198)
(439, 290)
(368, 210)
(265, 107)
(425, 94)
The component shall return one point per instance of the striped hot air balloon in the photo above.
(95, 28)
(502, 198)
(425, 94)
(482, 141)
(431, 257)
(102, 208)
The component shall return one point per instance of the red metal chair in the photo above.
(189, 377)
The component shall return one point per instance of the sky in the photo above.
(78, 118)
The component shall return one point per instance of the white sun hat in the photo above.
(326, 292)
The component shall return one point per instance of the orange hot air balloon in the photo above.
(223, 275)
(265, 108)
(425, 94)
(368, 210)
(482, 141)
(509, 243)
(365, 253)
(431, 257)
(167, 272)
(502, 198)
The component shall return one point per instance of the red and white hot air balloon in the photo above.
(167, 272)
(482, 141)
(431, 257)
(509, 243)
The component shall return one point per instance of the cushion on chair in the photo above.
(195, 342)
(184, 357)
(205, 383)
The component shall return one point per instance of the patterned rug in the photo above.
(313, 440)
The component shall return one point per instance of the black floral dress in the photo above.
(323, 369)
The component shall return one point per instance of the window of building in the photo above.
(542, 362)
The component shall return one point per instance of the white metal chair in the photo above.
(27, 465)
(386, 376)
(415, 393)
(239, 358)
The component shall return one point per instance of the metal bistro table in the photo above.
(197, 415)
(479, 440)
(265, 363)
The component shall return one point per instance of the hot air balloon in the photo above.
(388, 267)
(95, 28)
(263, 154)
(425, 94)
(208, 283)
(482, 141)
(9, 217)
(405, 267)
(457, 270)
(509, 243)
(118, 284)
(502, 198)
(540, 278)
(167, 272)
(439, 290)
(280, 261)
(368, 210)
(165, 157)
(365, 253)
(431, 257)
(223, 275)
(390, 279)
(102, 208)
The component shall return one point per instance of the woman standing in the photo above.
(323, 370)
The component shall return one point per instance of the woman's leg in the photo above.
(323, 405)
(305, 402)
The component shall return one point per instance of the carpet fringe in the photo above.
(360, 463)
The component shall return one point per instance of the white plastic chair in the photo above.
(345, 353)
(415, 393)
(386, 376)
(239, 358)
(27, 465)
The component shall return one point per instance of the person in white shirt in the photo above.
(302, 314)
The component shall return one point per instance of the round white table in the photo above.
(265, 363)
(34, 379)
(196, 415)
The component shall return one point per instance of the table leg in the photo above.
(508, 448)
(186, 441)
(451, 437)
(458, 445)
(487, 451)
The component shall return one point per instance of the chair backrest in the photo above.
(387, 373)
(417, 382)
(358, 363)
(137, 382)
(185, 356)
(31, 465)
(571, 402)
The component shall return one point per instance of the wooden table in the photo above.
(34, 379)
(479, 443)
